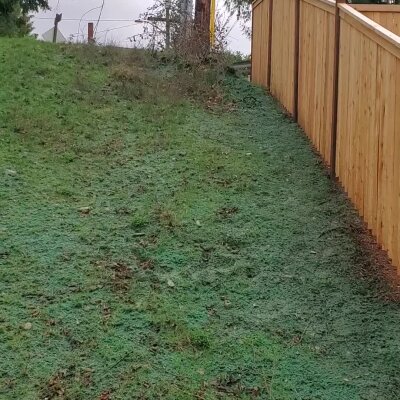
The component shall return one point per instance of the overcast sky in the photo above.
(119, 10)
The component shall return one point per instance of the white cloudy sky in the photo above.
(118, 10)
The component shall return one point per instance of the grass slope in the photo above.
(153, 250)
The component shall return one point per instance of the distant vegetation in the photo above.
(14, 16)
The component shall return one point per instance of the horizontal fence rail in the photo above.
(336, 68)
(388, 16)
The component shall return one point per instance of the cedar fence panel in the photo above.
(283, 60)
(260, 42)
(316, 72)
(368, 135)
(388, 16)
(336, 68)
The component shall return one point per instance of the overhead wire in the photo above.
(85, 20)
(80, 33)
(101, 7)
(98, 20)
(108, 30)
(80, 21)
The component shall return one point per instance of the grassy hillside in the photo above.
(153, 247)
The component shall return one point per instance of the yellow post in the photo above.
(212, 22)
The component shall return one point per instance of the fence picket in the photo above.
(360, 131)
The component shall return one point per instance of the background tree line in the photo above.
(14, 16)
(243, 7)
(15, 19)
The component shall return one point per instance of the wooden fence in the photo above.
(260, 47)
(283, 48)
(387, 16)
(336, 69)
(316, 70)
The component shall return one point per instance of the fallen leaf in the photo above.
(10, 172)
(170, 283)
(106, 395)
(227, 304)
(27, 326)
(85, 210)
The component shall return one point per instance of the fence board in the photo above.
(387, 16)
(260, 43)
(317, 32)
(368, 108)
(369, 148)
(341, 146)
(283, 53)
(395, 243)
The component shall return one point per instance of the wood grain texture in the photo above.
(386, 15)
(368, 96)
(260, 43)
(389, 20)
(368, 150)
(317, 33)
(283, 53)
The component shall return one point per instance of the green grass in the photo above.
(150, 249)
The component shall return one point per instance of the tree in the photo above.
(243, 7)
(26, 6)
(166, 21)
(14, 16)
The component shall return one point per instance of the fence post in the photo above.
(335, 103)
(269, 60)
(90, 32)
(296, 59)
(252, 43)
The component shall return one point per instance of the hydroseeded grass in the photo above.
(150, 249)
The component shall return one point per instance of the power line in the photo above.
(106, 30)
(118, 27)
(80, 21)
(98, 20)
(86, 20)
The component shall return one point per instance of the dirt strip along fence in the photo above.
(335, 68)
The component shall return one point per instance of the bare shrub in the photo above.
(189, 69)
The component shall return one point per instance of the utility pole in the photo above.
(213, 11)
(167, 20)
(167, 24)
(56, 21)
(202, 20)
